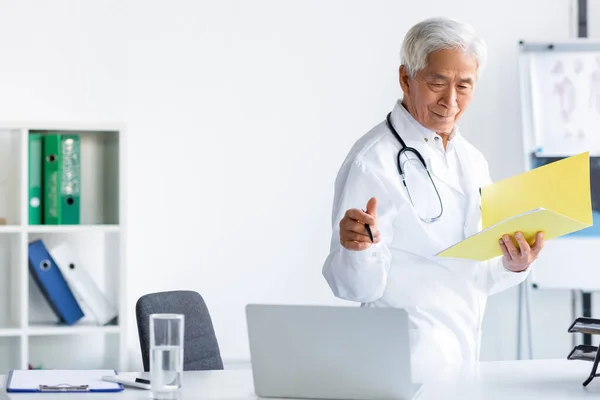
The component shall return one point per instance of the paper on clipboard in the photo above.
(49, 380)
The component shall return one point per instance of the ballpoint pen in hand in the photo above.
(369, 232)
(368, 228)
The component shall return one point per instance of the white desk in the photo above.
(515, 380)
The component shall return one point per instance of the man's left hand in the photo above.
(518, 259)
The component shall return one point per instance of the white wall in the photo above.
(252, 107)
(62, 61)
(239, 115)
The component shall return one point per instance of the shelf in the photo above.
(8, 332)
(59, 228)
(98, 127)
(98, 253)
(10, 229)
(78, 329)
(71, 228)
(30, 331)
(10, 281)
(10, 349)
(585, 325)
(92, 351)
(99, 175)
(10, 178)
(583, 352)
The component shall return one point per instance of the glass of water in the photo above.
(166, 355)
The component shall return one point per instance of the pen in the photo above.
(369, 232)
(368, 228)
(141, 380)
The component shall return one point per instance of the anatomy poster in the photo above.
(566, 102)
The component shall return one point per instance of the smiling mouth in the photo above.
(441, 116)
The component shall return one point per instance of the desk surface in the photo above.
(543, 379)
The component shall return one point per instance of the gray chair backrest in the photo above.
(201, 349)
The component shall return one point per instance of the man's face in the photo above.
(441, 92)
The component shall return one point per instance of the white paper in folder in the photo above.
(82, 284)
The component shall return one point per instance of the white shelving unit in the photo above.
(30, 332)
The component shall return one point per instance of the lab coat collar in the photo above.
(421, 139)
(413, 133)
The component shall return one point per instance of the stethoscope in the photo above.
(407, 149)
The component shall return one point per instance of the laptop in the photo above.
(329, 352)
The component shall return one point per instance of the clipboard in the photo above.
(63, 381)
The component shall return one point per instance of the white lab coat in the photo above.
(445, 298)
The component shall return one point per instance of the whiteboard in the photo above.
(560, 113)
(565, 100)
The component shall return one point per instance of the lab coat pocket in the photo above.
(409, 234)
(416, 282)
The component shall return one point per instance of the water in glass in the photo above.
(166, 355)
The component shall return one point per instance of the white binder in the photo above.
(81, 283)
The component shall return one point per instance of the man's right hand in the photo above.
(353, 233)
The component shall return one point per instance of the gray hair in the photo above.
(435, 34)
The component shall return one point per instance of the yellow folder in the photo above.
(554, 198)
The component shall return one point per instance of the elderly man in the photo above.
(415, 181)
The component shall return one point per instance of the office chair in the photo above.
(201, 349)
